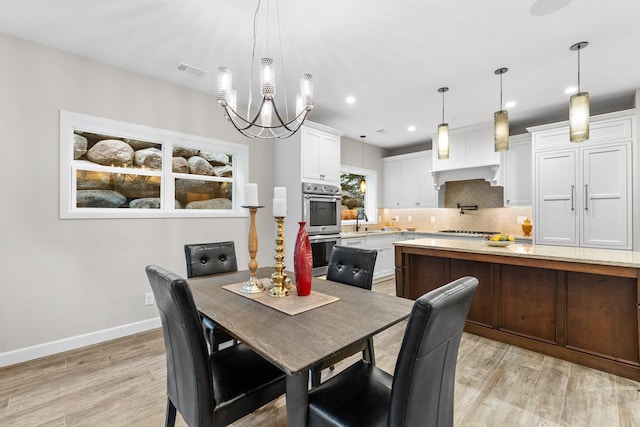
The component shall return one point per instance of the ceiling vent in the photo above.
(190, 69)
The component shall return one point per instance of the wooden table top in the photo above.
(296, 343)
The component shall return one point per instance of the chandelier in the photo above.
(267, 122)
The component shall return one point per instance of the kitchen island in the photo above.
(577, 304)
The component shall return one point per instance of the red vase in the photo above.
(302, 261)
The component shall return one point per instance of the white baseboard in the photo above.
(46, 349)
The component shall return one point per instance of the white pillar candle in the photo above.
(279, 207)
(280, 193)
(251, 194)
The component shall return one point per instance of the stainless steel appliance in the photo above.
(321, 208)
(321, 245)
(321, 211)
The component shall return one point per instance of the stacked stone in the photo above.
(114, 190)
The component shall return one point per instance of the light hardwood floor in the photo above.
(122, 383)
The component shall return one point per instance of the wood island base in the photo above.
(581, 312)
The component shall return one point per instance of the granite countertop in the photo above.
(612, 257)
(353, 234)
(438, 234)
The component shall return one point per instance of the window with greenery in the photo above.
(353, 200)
(115, 169)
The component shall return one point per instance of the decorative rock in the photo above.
(214, 158)
(99, 199)
(210, 204)
(199, 166)
(224, 171)
(137, 186)
(145, 203)
(139, 145)
(179, 165)
(111, 152)
(91, 180)
(79, 146)
(189, 190)
(185, 152)
(149, 157)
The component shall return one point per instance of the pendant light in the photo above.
(443, 132)
(363, 182)
(579, 106)
(501, 121)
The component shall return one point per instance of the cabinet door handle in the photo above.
(573, 188)
(586, 197)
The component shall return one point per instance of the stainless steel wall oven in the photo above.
(321, 205)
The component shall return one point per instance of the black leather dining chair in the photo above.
(204, 259)
(420, 392)
(207, 389)
(353, 267)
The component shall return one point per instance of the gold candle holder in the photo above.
(253, 285)
(279, 277)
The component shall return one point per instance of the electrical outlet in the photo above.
(433, 219)
(521, 219)
(396, 218)
(409, 218)
(148, 298)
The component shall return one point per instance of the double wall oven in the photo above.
(321, 205)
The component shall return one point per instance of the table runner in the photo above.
(291, 304)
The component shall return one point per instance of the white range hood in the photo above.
(471, 156)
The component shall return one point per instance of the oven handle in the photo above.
(324, 238)
(318, 196)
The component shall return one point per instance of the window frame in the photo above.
(71, 122)
(370, 196)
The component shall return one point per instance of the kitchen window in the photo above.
(352, 200)
(111, 169)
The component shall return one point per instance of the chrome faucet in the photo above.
(358, 217)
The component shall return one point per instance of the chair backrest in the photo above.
(352, 266)
(424, 378)
(210, 258)
(189, 384)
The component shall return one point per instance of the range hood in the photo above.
(471, 156)
(487, 172)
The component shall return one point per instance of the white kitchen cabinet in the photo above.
(516, 165)
(392, 181)
(355, 242)
(408, 182)
(320, 156)
(583, 192)
(385, 260)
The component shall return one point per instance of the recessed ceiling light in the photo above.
(411, 128)
(350, 99)
(510, 104)
(570, 90)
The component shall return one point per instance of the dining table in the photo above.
(296, 342)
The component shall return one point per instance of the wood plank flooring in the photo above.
(122, 383)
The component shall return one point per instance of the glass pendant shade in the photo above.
(225, 83)
(501, 130)
(363, 186)
(267, 78)
(306, 89)
(579, 117)
(266, 114)
(443, 141)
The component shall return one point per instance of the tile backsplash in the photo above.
(473, 192)
(504, 220)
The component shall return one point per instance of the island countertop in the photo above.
(612, 257)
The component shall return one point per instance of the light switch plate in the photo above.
(433, 219)
(409, 218)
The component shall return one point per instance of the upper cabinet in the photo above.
(583, 192)
(320, 156)
(408, 182)
(516, 171)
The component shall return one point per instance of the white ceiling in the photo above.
(391, 55)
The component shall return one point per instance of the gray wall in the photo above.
(351, 154)
(64, 278)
